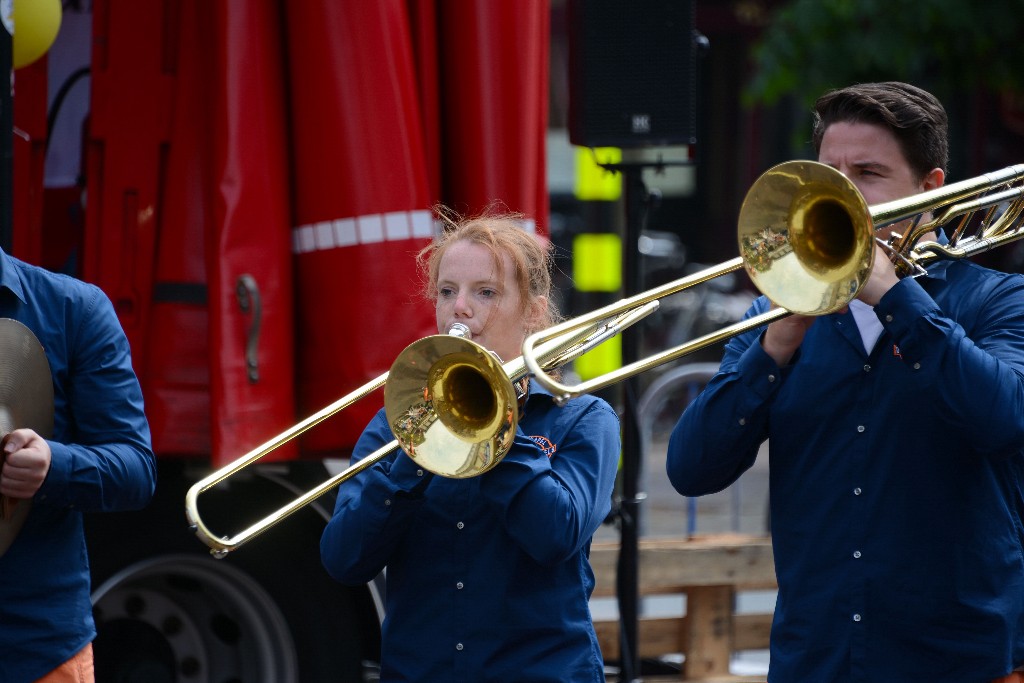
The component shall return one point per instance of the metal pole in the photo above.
(6, 142)
(632, 451)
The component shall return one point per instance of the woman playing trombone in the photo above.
(488, 578)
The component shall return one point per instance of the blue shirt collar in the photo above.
(9, 277)
(937, 269)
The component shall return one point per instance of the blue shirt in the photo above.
(488, 578)
(895, 481)
(101, 460)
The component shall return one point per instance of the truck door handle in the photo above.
(248, 294)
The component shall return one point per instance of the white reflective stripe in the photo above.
(397, 227)
(423, 224)
(368, 229)
(323, 235)
(302, 239)
(345, 232)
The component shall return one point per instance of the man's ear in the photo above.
(934, 178)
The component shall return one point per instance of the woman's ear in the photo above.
(536, 313)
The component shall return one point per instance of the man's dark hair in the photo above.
(914, 116)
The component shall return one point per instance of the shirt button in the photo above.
(857, 491)
(917, 366)
(856, 617)
(771, 378)
(860, 429)
(888, 318)
(387, 501)
(743, 421)
(460, 525)
(458, 646)
(856, 554)
(419, 473)
(867, 368)
(459, 585)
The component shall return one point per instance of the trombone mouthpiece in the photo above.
(459, 330)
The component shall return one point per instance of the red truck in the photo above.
(248, 181)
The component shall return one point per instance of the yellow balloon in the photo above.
(36, 23)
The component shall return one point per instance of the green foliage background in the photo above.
(948, 46)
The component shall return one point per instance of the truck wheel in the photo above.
(184, 615)
(166, 610)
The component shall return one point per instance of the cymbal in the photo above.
(26, 400)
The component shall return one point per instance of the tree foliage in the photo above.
(948, 46)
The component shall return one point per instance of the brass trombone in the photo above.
(806, 239)
(451, 404)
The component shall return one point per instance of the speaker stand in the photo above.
(637, 203)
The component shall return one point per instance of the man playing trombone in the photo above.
(896, 433)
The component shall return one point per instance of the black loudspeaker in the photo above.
(632, 73)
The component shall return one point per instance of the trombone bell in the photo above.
(451, 406)
(806, 237)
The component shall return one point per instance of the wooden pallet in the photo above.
(709, 571)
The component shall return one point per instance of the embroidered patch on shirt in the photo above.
(546, 447)
(896, 352)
